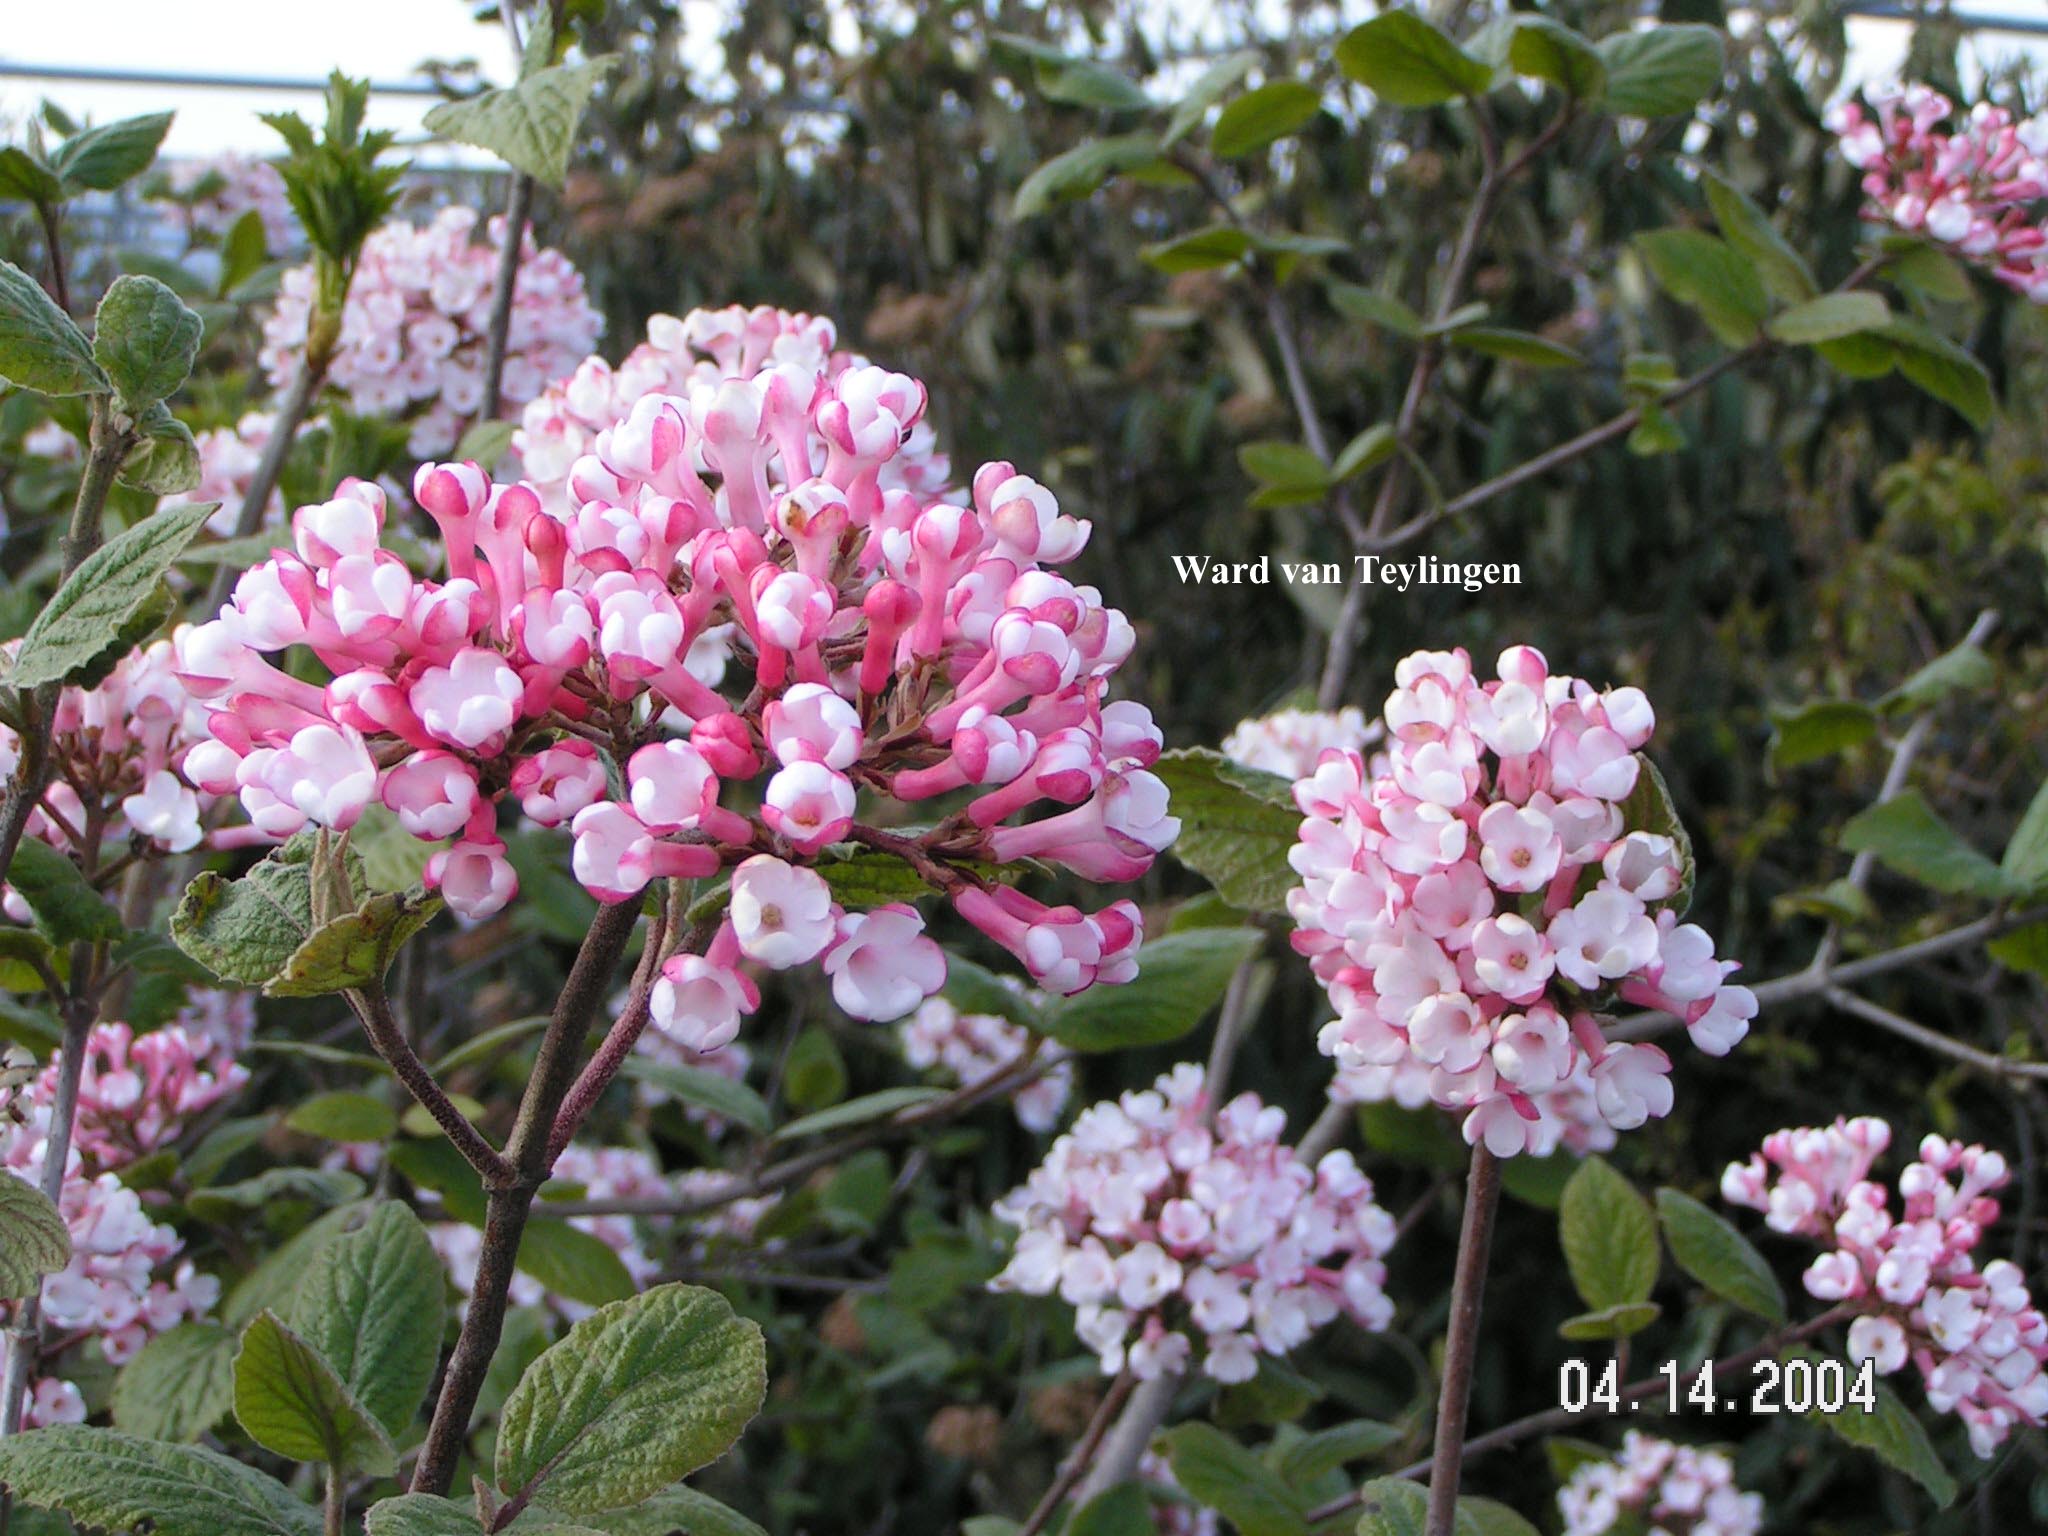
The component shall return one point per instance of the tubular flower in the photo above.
(1472, 897)
(1171, 1235)
(136, 1093)
(1656, 1485)
(413, 334)
(971, 1048)
(736, 611)
(1976, 185)
(1972, 1332)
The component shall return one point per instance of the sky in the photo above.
(387, 39)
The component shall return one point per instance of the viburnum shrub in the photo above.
(662, 891)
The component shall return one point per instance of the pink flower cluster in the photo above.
(1976, 186)
(1972, 1332)
(413, 331)
(904, 648)
(971, 1048)
(212, 194)
(137, 1093)
(1164, 1227)
(118, 752)
(1471, 900)
(1292, 741)
(1661, 1489)
(700, 351)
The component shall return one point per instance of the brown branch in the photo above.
(1461, 1343)
(1082, 1457)
(373, 1009)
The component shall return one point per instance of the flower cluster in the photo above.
(1470, 902)
(1661, 1489)
(118, 752)
(700, 351)
(124, 1282)
(413, 332)
(1164, 1227)
(1977, 186)
(880, 643)
(137, 1092)
(211, 195)
(1291, 742)
(1973, 1333)
(971, 1048)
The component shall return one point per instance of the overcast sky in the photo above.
(386, 40)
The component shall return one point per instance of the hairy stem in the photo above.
(292, 411)
(1461, 1345)
(509, 1203)
(53, 242)
(1080, 1459)
(373, 1009)
(518, 208)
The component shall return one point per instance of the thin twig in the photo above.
(1934, 1040)
(1082, 1456)
(373, 1009)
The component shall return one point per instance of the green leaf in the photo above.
(1392, 1506)
(165, 458)
(678, 1512)
(864, 1110)
(1517, 347)
(1619, 1321)
(1941, 368)
(372, 1304)
(34, 1241)
(1222, 1475)
(179, 1386)
(2024, 949)
(1709, 275)
(486, 443)
(1911, 840)
(144, 339)
(1081, 170)
(1274, 462)
(1257, 118)
(1927, 270)
(531, 126)
(1331, 1450)
(41, 349)
(1650, 808)
(1180, 978)
(1122, 1510)
(1820, 729)
(1890, 1431)
(115, 1482)
(2026, 856)
(1380, 309)
(1708, 1248)
(1962, 668)
(275, 1279)
(1862, 356)
(67, 910)
(1370, 449)
(353, 950)
(1662, 71)
(570, 1262)
(322, 1186)
(1201, 251)
(722, 1096)
(246, 930)
(98, 598)
(815, 1074)
(421, 1514)
(343, 1116)
(1208, 89)
(25, 956)
(101, 159)
(27, 178)
(290, 1401)
(1609, 1237)
(637, 1396)
(1548, 50)
(1405, 61)
(1237, 827)
(1085, 83)
(1749, 229)
(1828, 318)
